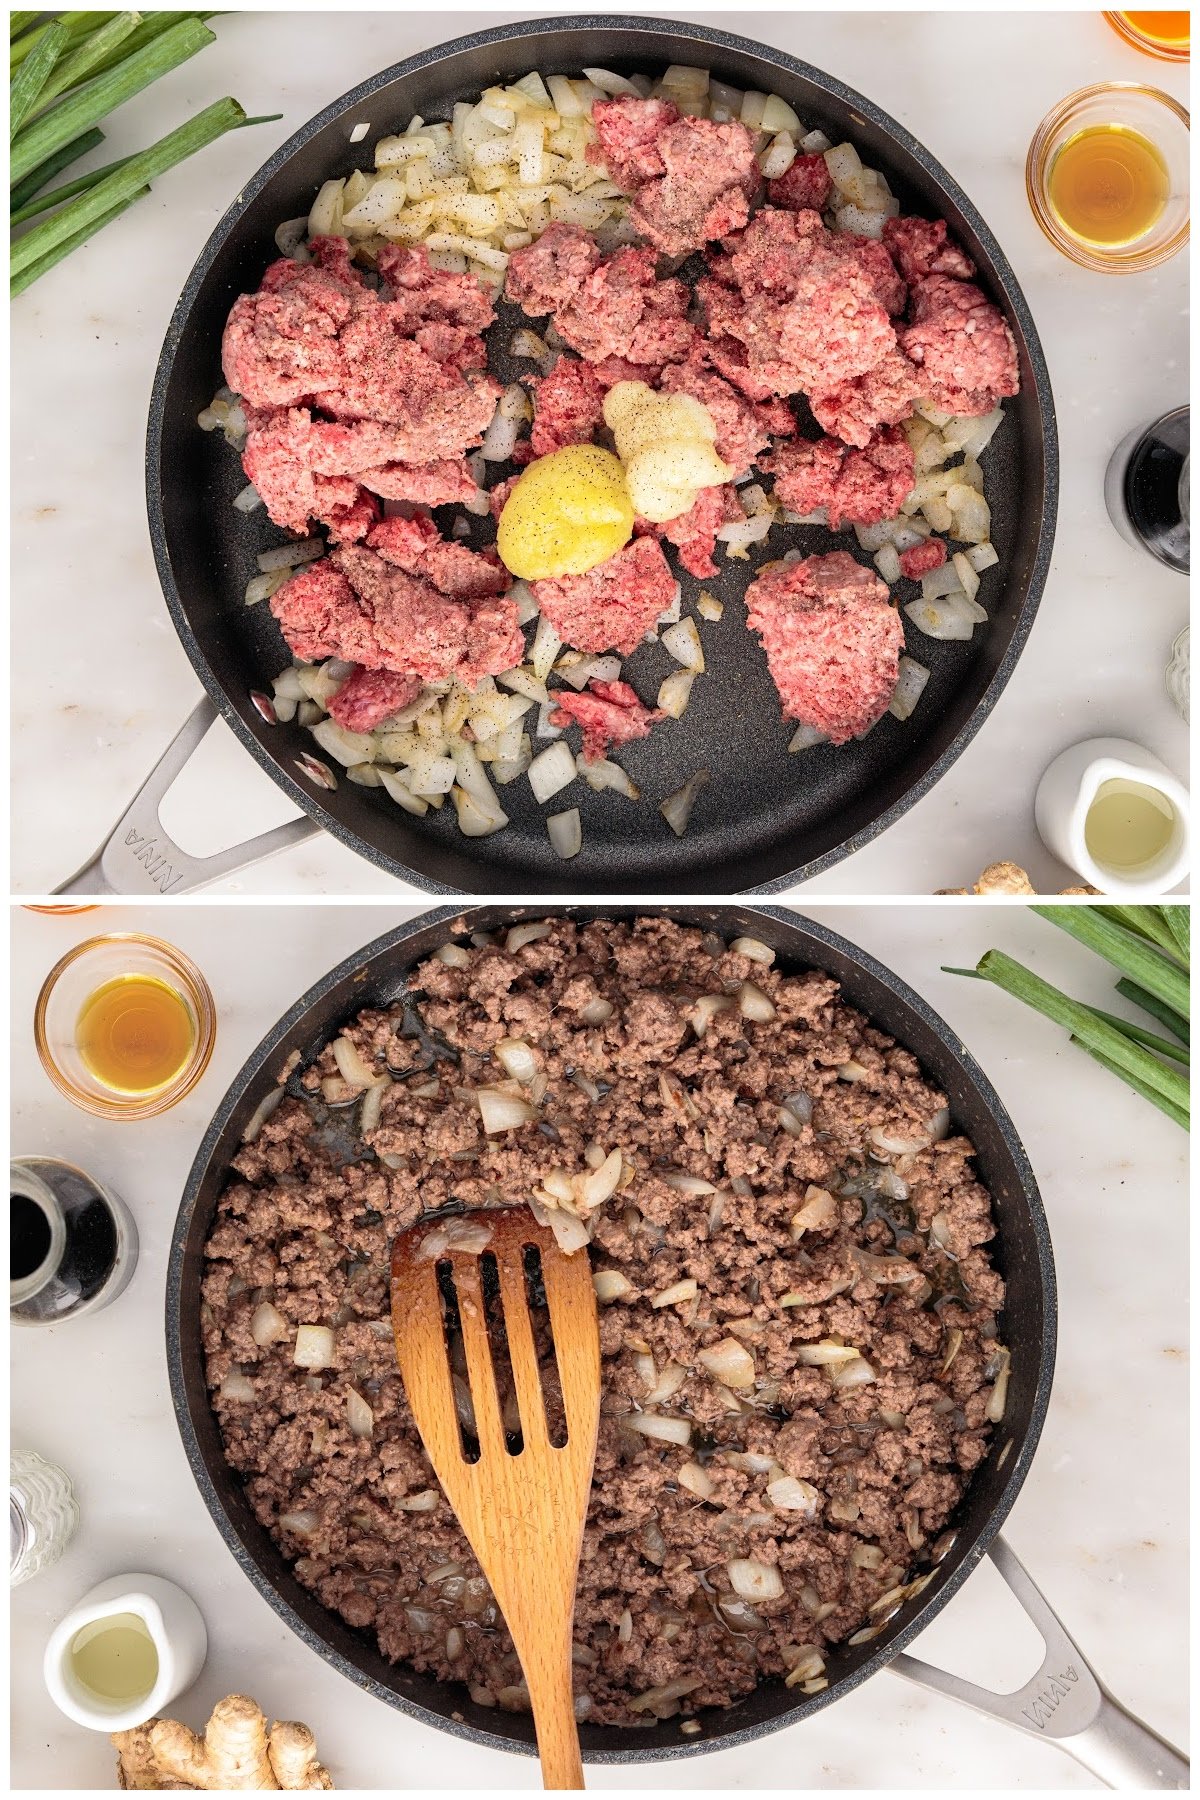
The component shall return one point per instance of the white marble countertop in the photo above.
(100, 682)
(1101, 1522)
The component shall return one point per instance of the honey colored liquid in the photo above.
(1128, 825)
(115, 1657)
(1171, 29)
(135, 1034)
(1108, 185)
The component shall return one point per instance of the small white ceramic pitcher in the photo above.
(128, 1604)
(1067, 792)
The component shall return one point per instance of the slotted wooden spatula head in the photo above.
(519, 1482)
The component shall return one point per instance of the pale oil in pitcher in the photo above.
(115, 1659)
(1128, 825)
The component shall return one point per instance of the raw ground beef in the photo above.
(369, 697)
(832, 638)
(568, 406)
(807, 309)
(694, 533)
(609, 712)
(922, 559)
(424, 617)
(805, 187)
(364, 388)
(602, 306)
(691, 180)
(852, 1219)
(857, 487)
(962, 347)
(925, 247)
(615, 604)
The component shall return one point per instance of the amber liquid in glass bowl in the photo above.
(1165, 34)
(125, 1025)
(1108, 185)
(135, 1033)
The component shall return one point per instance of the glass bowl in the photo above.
(1143, 109)
(71, 983)
(1176, 50)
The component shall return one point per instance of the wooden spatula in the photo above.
(523, 1514)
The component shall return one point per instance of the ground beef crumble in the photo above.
(888, 1255)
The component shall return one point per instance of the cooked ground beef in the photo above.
(847, 1217)
(832, 638)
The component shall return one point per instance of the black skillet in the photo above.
(767, 819)
(1092, 1725)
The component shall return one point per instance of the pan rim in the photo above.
(936, 1597)
(311, 803)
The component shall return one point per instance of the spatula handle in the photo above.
(547, 1666)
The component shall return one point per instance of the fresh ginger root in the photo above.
(236, 1751)
(1008, 878)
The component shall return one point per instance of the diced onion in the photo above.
(754, 1004)
(696, 1480)
(302, 1523)
(518, 936)
(817, 1355)
(806, 737)
(566, 833)
(314, 1347)
(910, 685)
(237, 1387)
(675, 692)
(754, 949)
(267, 1324)
(550, 771)
(682, 641)
(424, 1500)
(516, 1059)
(351, 1066)
(359, 1416)
(852, 1374)
(502, 1112)
(754, 1580)
(729, 1362)
(789, 1494)
(657, 1425)
(676, 809)
(674, 1295)
(610, 1285)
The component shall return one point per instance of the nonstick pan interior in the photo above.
(766, 818)
(1022, 1251)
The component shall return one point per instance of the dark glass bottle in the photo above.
(72, 1245)
(1146, 489)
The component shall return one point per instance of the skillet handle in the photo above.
(1065, 1701)
(138, 856)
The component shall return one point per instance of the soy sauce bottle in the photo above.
(73, 1246)
(1146, 489)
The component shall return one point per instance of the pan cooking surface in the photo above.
(378, 976)
(766, 817)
